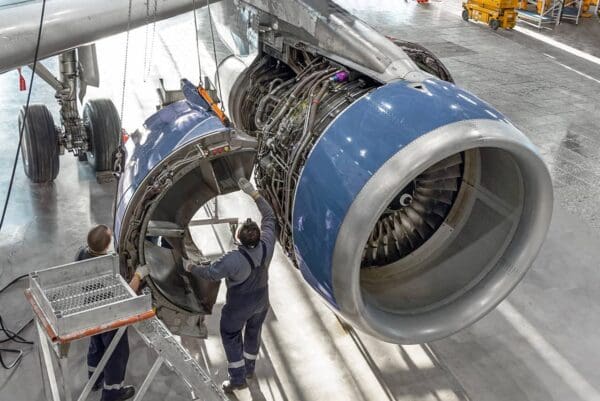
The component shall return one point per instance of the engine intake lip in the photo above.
(504, 273)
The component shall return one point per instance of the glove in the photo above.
(187, 265)
(142, 271)
(248, 188)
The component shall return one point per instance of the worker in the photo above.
(246, 272)
(112, 377)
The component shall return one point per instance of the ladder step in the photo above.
(156, 335)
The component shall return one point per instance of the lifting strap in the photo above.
(249, 259)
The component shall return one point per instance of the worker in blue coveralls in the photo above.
(246, 272)
(112, 377)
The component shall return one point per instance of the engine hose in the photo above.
(306, 135)
(293, 95)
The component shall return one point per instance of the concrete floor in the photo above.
(540, 344)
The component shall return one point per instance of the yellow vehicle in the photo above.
(586, 6)
(496, 13)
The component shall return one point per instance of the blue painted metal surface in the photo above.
(163, 133)
(353, 148)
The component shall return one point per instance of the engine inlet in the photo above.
(415, 213)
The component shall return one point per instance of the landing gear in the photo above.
(103, 127)
(94, 137)
(39, 149)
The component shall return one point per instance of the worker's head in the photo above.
(99, 239)
(249, 233)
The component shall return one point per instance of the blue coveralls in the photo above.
(246, 272)
(113, 374)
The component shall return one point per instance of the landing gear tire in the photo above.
(465, 15)
(103, 126)
(39, 148)
(494, 24)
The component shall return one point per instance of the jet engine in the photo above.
(411, 206)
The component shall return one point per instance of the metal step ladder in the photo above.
(82, 299)
(177, 358)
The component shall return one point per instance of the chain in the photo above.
(125, 61)
(153, 35)
(119, 154)
(212, 35)
(149, 39)
(197, 43)
(146, 33)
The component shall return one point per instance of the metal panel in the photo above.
(161, 135)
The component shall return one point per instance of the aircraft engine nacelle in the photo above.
(418, 210)
(412, 208)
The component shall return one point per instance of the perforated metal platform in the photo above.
(88, 294)
(79, 298)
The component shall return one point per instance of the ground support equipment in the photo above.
(82, 299)
(495, 13)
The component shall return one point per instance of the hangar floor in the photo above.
(540, 344)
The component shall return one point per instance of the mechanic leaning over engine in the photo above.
(246, 272)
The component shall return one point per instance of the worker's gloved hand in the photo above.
(142, 271)
(187, 265)
(248, 188)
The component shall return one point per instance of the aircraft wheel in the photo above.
(465, 15)
(103, 126)
(39, 148)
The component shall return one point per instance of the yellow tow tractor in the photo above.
(496, 13)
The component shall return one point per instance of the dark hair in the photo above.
(99, 238)
(249, 234)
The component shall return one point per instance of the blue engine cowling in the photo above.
(182, 157)
(382, 144)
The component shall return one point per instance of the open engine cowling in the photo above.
(181, 158)
(412, 208)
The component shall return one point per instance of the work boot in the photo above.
(123, 394)
(229, 387)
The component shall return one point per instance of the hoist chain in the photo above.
(196, 34)
(150, 39)
(120, 151)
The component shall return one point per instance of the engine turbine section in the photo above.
(413, 209)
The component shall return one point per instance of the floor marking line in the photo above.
(561, 366)
(558, 45)
(583, 74)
